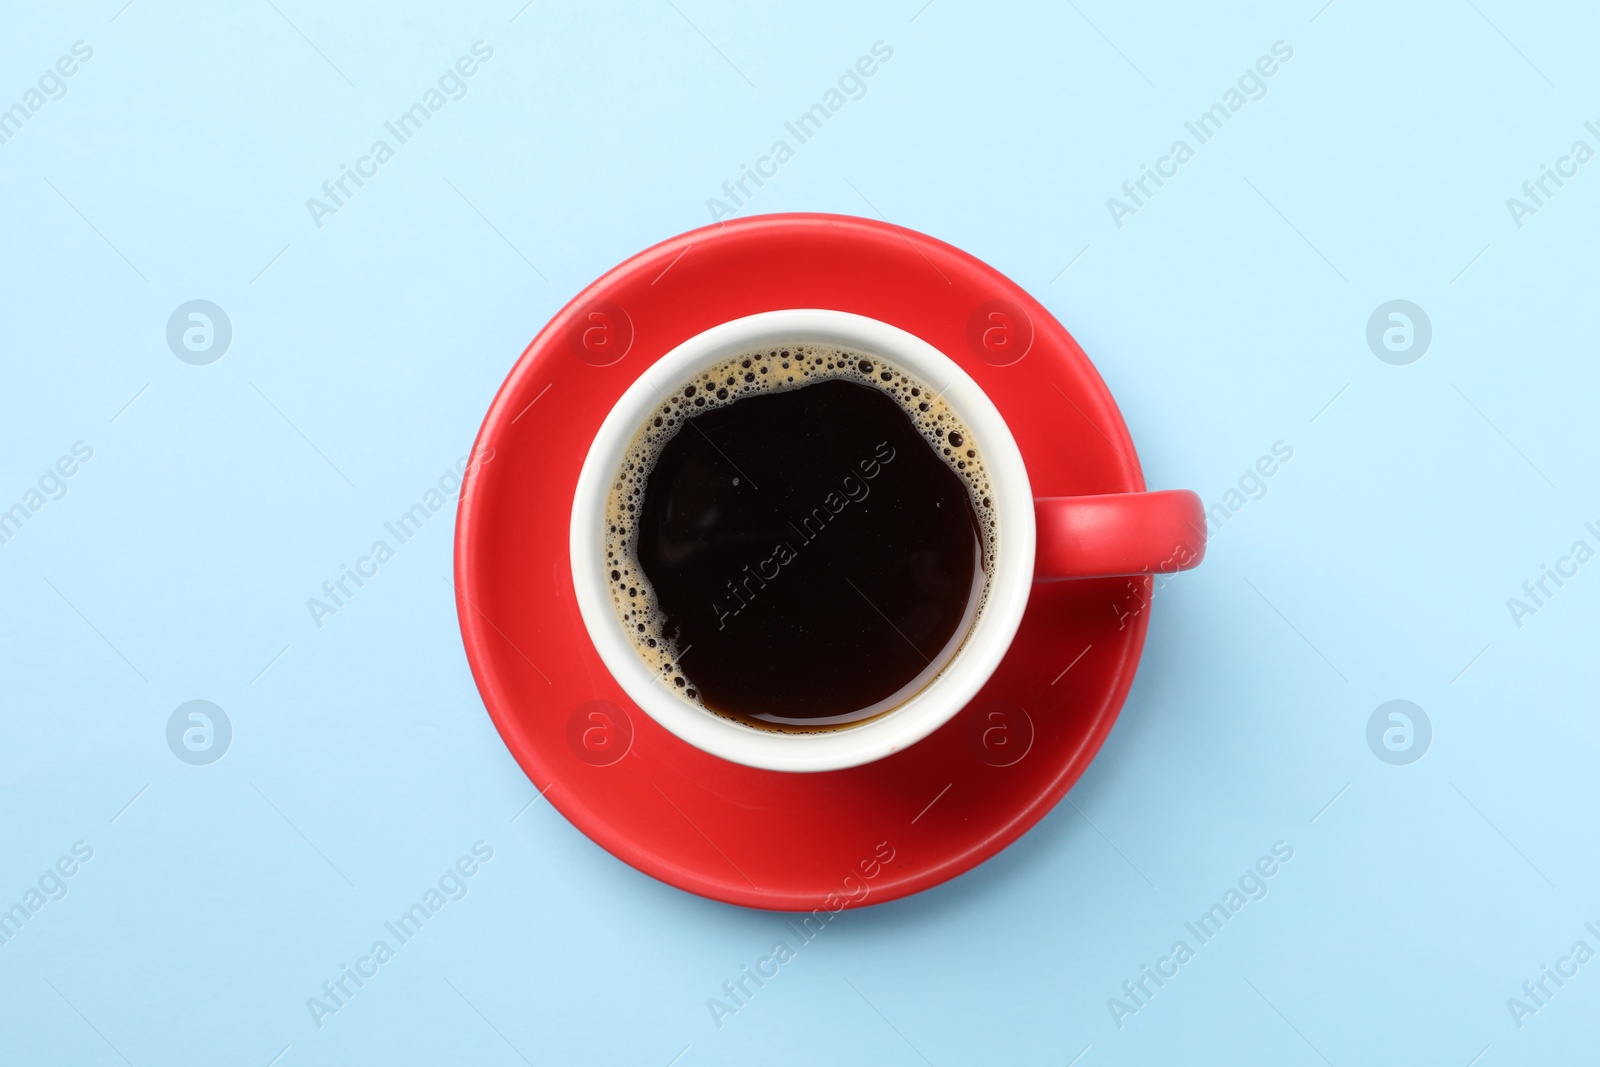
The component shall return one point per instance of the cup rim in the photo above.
(960, 680)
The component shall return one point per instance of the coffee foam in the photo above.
(751, 373)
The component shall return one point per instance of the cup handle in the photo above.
(1118, 534)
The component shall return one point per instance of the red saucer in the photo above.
(792, 842)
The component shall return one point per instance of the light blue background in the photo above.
(1225, 316)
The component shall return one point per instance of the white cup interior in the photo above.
(1011, 569)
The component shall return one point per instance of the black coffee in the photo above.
(800, 538)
